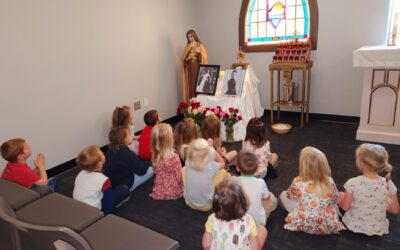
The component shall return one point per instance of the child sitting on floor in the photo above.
(122, 166)
(312, 198)
(211, 131)
(94, 188)
(369, 196)
(151, 118)
(261, 201)
(122, 116)
(184, 133)
(166, 164)
(201, 174)
(230, 226)
(256, 141)
(16, 152)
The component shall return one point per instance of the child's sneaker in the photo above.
(52, 183)
(123, 201)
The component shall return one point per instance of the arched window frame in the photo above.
(313, 8)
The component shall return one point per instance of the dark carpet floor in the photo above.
(336, 140)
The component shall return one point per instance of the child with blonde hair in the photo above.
(166, 164)
(201, 174)
(261, 201)
(230, 226)
(256, 141)
(184, 133)
(369, 196)
(16, 152)
(311, 199)
(151, 118)
(92, 186)
(211, 131)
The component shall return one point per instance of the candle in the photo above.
(395, 22)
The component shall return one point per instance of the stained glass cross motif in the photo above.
(276, 12)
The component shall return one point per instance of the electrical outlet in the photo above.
(136, 105)
(145, 102)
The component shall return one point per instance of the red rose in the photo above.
(226, 116)
(219, 107)
(231, 110)
(236, 110)
(240, 118)
(235, 115)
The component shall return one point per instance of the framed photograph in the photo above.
(207, 78)
(233, 82)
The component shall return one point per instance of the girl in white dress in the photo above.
(367, 197)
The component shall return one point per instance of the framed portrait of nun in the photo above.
(207, 79)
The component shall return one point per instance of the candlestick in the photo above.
(394, 32)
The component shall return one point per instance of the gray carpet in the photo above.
(336, 140)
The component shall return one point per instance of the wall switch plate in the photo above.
(145, 102)
(136, 105)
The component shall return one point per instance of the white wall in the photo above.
(66, 64)
(344, 26)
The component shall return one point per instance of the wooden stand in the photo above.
(305, 100)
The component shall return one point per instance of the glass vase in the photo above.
(229, 134)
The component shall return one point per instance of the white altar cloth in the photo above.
(377, 56)
(248, 103)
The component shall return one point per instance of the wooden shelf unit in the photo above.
(304, 103)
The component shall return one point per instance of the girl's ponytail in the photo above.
(388, 169)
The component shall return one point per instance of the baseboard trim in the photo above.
(63, 167)
(317, 116)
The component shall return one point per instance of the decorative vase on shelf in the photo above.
(229, 133)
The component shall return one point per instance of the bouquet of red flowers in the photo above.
(192, 110)
(231, 117)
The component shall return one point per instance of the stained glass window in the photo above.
(267, 22)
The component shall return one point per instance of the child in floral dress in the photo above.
(256, 141)
(369, 196)
(311, 199)
(167, 166)
(230, 227)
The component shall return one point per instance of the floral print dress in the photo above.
(168, 184)
(314, 215)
